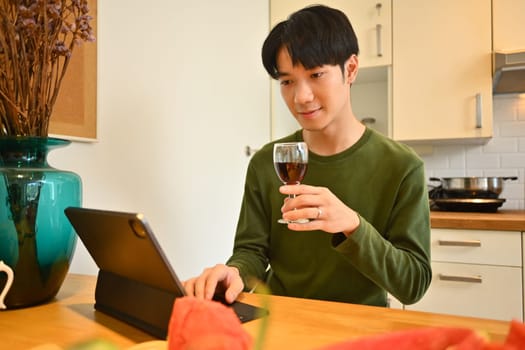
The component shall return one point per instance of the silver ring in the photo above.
(319, 213)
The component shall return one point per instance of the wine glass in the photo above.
(290, 160)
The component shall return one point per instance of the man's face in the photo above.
(317, 97)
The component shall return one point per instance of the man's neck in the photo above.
(334, 139)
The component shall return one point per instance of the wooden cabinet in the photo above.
(508, 25)
(442, 80)
(475, 273)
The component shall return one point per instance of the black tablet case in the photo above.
(135, 282)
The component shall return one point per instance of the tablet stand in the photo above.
(141, 305)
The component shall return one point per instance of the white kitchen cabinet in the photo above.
(442, 76)
(476, 273)
(508, 25)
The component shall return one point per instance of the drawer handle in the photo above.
(473, 243)
(452, 278)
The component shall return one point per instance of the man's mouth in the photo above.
(309, 113)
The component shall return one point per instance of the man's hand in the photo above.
(325, 211)
(217, 279)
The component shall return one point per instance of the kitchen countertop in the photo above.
(506, 220)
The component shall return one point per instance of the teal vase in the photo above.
(36, 239)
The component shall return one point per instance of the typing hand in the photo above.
(219, 279)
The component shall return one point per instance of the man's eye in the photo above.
(284, 82)
(317, 75)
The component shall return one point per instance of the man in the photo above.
(365, 194)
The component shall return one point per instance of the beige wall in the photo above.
(181, 91)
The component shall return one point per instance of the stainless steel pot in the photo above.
(472, 187)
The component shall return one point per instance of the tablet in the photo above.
(136, 282)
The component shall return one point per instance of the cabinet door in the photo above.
(442, 81)
(508, 25)
(474, 290)
(371, 20)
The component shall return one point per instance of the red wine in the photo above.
(291, 173)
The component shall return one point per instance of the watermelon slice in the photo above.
(516, 335)
(436, 338)
(205, 325)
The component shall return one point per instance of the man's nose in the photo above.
(303, 93)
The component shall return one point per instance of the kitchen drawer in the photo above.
(477, 247)
(474, 290)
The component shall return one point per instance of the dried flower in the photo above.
(37, 38)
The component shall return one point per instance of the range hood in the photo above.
(509, 72)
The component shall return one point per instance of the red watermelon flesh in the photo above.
(436, 338)
(205, 325)
(516, 335)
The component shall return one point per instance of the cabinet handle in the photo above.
(379, 27)
(479, 112)
(454, 278)
(465, 243)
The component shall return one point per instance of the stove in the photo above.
(439, 200)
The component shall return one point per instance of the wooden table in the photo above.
(293, 323)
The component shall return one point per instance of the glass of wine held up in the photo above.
(290, 160)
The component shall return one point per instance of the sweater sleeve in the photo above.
(397, 260)
(250, 251)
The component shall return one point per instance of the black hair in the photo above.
(314, 36)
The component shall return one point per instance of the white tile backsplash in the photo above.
(506, 107)
(503, 155)
(521, 147)
(512, 160)
(483, 161)
(456, 160)
(501, 145)
(521, 109)
(512, 129)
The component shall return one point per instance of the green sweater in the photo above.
(384, 182)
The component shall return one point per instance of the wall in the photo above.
(181, 92)
(503, 155)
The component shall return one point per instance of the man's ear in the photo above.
(351, 68)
